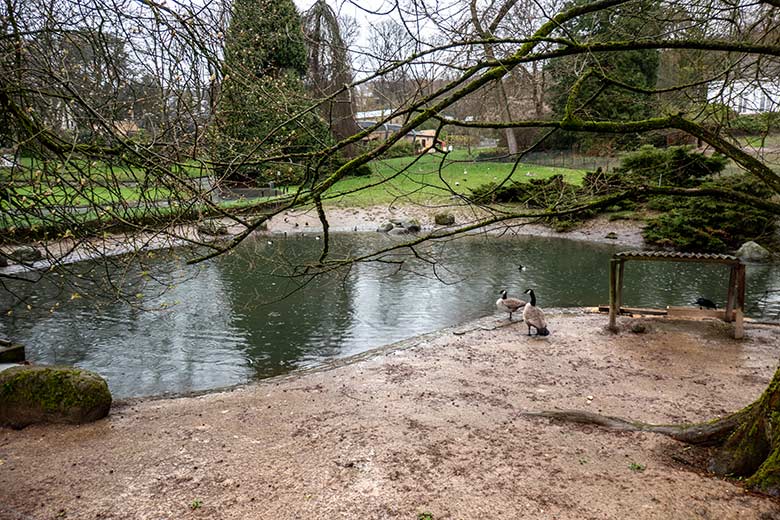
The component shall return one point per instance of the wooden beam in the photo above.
(695, 312)
(635, 310)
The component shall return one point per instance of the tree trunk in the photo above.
(506, 116)
(753, 449)
(748, 440)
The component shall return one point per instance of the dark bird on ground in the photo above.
(534, 317)
(704, 303)
(509, 305)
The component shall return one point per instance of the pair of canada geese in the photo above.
(532, 315)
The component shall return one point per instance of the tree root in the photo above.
(710, 433)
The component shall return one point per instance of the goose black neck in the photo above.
(533, 297)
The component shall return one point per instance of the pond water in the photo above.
(220, 323)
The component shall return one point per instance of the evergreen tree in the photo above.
(262, 91)
(597, 98)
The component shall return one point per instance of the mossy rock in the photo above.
(25, 254)
(48, 394)
(212, 227)
(444, 219)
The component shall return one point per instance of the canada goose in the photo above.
(534, 317)
(705, 303)
(509, 305)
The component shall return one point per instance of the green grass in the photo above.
(428, 179)
(32, 170)
(35, 195)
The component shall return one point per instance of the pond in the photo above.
(221, 323)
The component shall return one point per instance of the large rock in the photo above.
(25, 254)
(752, 252)
(444, 219)
(36, 394)
(410, 225)
(400, 226)
(212, 227)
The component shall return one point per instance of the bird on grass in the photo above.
(704, 303)
(534, 317)
(509, 305)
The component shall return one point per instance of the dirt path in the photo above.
(430, 426)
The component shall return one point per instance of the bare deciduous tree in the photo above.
(64, 118)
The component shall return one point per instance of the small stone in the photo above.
(385, 228)
(638, 328)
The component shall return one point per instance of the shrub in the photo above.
(361, 171)
(755, 124)
(673, 166)
(551, 193)
(402, 148)
(707, 224)
(494, 155)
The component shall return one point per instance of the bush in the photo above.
(363, 170)
(755, 124)
(494, 155)
(706, 224)
(400, 149)
(673, 166)
(551, 193)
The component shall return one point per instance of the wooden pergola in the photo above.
(735, 299)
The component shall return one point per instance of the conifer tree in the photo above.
(262, 92)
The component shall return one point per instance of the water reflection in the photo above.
(220, 323)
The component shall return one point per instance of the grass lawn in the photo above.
(429, 178)
(30, 196)
(423, 179)
(31, 170)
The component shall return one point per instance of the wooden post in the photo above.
(739, 328)
(613, 309)
(741, 287)
(621, 267)
(731, 295)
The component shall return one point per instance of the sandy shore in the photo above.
(303, 221)
(600, 229)
(433, 425)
